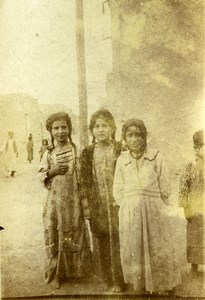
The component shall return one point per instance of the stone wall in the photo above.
(158, 65)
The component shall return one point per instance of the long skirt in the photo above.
(30, 154)
(196, 240)
(10, 162)
(64, 258)
(147, 254)
(64, 231)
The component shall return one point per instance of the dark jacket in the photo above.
(90, 196)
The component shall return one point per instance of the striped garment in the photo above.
(191, 198)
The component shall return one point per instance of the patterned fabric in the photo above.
(141, 189)
(97, 170)
(90, 189)
(103, 172)
(191, 198)
(64, 229)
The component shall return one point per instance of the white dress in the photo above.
(10, 156)
(141, 189)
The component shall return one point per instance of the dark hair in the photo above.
(59, 116)
(45, 140)
(198, 138)
(137, 123)
(107, 117)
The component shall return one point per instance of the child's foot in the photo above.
(105, 287)
(55, 284)
(154, 293)
(116, 288)
(170, 292)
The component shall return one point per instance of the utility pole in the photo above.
(82, 87)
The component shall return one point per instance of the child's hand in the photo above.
(87, 213)
(59, 169)
(63, 168)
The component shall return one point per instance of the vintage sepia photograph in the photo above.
(102, 149)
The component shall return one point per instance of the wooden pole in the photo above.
(82, 87)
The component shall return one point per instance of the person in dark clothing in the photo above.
(97, 171)
(30, 148)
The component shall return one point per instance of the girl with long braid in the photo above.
(64, 229)
(97, 172)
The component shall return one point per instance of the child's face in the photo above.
(134, 139)
(199, 151)
(102, 131)
(60, 131)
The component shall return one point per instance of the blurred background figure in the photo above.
(43, 148)
(191, 198)
(11, 153)
(30, 148)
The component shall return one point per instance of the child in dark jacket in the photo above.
(97, 170)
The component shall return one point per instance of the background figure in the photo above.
(43, 148)
(141, 189)
(64, 228)
(30, 148)
(191, 198)
(11, 154)
(97, 171)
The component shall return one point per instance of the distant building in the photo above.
(24, 115)
(20, 113)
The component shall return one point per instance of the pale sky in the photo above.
(38, 54)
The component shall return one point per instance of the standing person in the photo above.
(43, 148)
(64, 229)
(191, 198)
(141, 189)
(30, 148)
(97, 171)
(11, 153)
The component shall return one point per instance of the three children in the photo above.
(125, 206)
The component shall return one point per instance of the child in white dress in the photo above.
(141, 189)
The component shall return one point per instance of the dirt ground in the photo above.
(22, 243)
